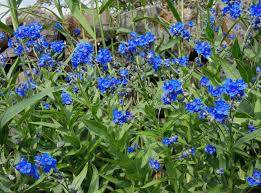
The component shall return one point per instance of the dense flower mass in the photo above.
(46, 60)
(82, 54)
(104, 56)
(27, 168)
(255, 13)
(178, 29)
(203, 48)
(30, 31)
(221, 110)
(235, 88)
(46, 162)
(108, 84)
(172, 89)
(2, 36)
(233, 8)
(120, 117)
(57, 46)
(195, 106)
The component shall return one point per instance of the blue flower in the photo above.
(204, 81)
(124, 72)
(30, 31)
(45, 61)
(46, 106)
(154, 60)
(154, 164)
(203, 48)
(119, 117)
(192, 151)
(172, 89)
(251, 181)
(2, 36)
(108, 84)
(77, 31)
(57, 46)
(82, 54)
(24, 87)
(216, 92)
(257, 175)
(172, 86)
(66, 98)
(210, 149)
(58, 26)
(183, 61)
(195, 106)
(122, 49)
(234, 89)
(104, 56)
(3, 60)
(130, 149)
(176, 29)
(166, 141)
(251, 128)
(190, 24)
(221, 110)
(233, 8)
(46, 162)
(27, 168)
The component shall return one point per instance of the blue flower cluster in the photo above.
(136, 43)
(66, 98)
(46, 60)
(171, 88)
(203, 48)
(27, 168)
(255, 179)
(82, 54)
(210, 149)
(57, 46)
(104, 57)
(178, 29)
(183, 60)
(251, 128)
(120, 117)
(221, 110)
(154, 60)
(195, 106)
(44, 161)
(24, 87)
(185, 154)
(154, 164)
(108, 84)
(168, 141)
(255, 13)
(233, 8)
(234, 89)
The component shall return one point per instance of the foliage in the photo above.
(142, 114)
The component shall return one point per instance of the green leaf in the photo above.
(210, 3)
(105, 5)
(11, 112)
(77, 181)
(74, 7)
(173, 10)
(236, 51)
(254, 135)
(5, 28)
(153, 183)
(230, 70)
(97, 128)
(94, 185)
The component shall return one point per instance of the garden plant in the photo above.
(120, 109)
